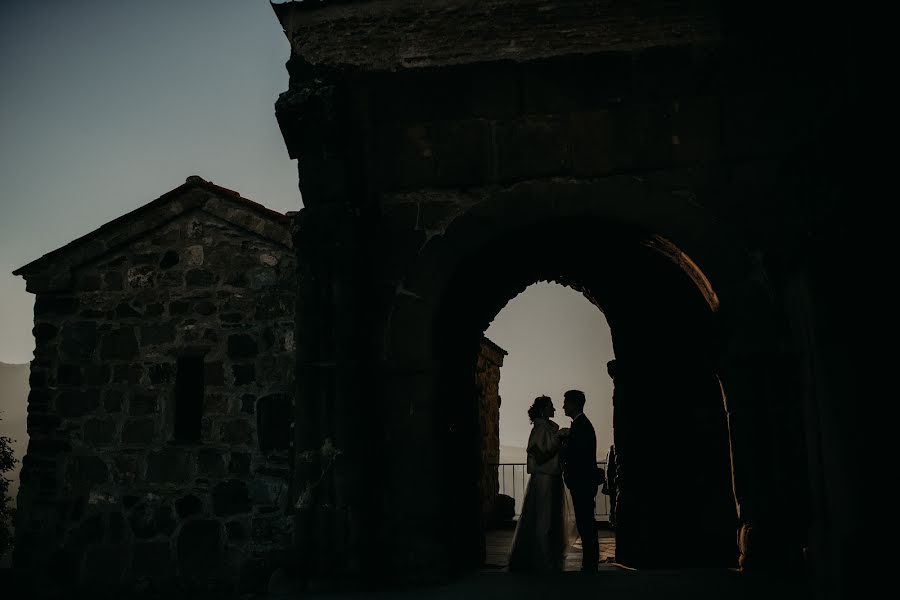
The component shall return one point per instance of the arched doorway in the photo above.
(665, 335)
(553, 338)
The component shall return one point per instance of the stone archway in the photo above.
(672, 346)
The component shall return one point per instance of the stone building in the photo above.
(686, 166)
(160, 410)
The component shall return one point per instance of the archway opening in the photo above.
(552, 338)
(670, 425)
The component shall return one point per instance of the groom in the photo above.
(579, 457)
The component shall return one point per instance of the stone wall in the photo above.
(108, 495)
(487, 376)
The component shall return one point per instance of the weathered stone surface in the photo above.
(242, 345)
(239, 463)
(78, 340)
(104, 564)
(248, 404)
(139, 431)
(214, 373)
(188, 506)
(237, 431)
(95, 375)
(87, 470)
(77, 403)
(161, 373)
(273, 422)
(170, 465)
(149, 519)
(112, 349)
(163, 333)
(200, 545)
(126, 469)
(210, 463)
(119, 344)
(236, 530)
(230, 497)
(49, 304)
(99, 432)
(143, 403)
(66, 375)
(199, 278)
(44, 332)
(113, 400)
(153, 559)
(243, 374)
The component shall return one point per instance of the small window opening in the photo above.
(188, 398)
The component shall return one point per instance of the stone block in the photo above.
(44, 332)
(237, 431)
(77, 403)
(188, 506)
(242, 345)
(126, 311)
(178, 307)
(243, 374)
(230, 497)
(237, 531)
(248, 404)
(104, 564)
(210, 463)
(205, 308)
(273, 422)
(39, 400)
(239, 463)
(143, 403)
(52, 304)
(153, 559)
(139, 431)
(214, 373)
(86, 470)
(161, 373)
(78, 340)
(200, 548)
(99, 432)
(149, 519)
(170, 465)
(126, 468)
(119, 344)
(162, 333)
(532, 147)
(199, 278)
(141, 277)
(113, 400)
(42, 423)
(128, 373)
(113, 281)
(95, 375)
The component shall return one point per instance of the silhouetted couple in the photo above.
(556, 455)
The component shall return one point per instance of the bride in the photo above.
(541, 540)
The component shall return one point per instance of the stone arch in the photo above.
(614, 228)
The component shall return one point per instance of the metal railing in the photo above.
(513, 479)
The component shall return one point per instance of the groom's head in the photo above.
(573, 403)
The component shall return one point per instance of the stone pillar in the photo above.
(487, 375)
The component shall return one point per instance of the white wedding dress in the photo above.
(544, 529)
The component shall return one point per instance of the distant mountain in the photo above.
(13, 413)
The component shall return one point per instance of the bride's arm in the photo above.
(543, 445)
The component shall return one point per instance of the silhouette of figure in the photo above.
(540, 540)
(579, 456)
(609, 485)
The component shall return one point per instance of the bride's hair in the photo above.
(537, 407)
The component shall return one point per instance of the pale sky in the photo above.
(107, 104)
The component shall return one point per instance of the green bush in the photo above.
(7, 462)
